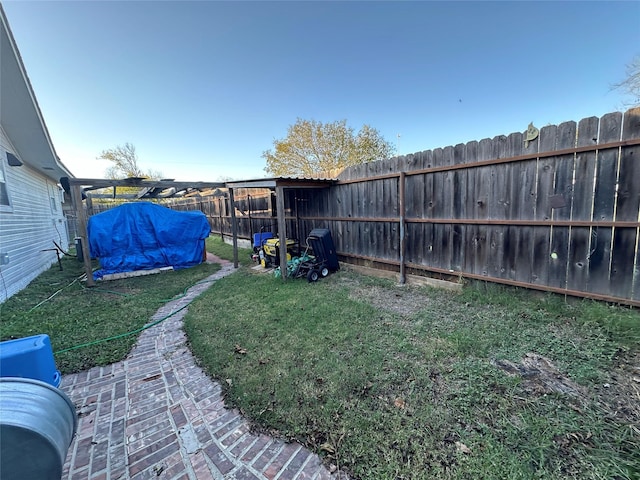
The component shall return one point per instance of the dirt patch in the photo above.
(211, 258)
(403, 301)
(619, 398)
(540, 376)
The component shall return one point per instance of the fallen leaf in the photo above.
(327, 447)
(263, 361)
(229, 381)
(461, 447)
(240, 350)
(400, 403)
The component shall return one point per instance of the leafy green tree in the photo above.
(313, 148)
(125, 163)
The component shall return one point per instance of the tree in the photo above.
(312, 148)
(125, 163)
(631, 85)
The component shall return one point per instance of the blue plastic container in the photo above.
(260, 238)
(30, 357)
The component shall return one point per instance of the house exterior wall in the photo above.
(30, 224)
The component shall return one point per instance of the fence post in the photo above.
(403, 277)
(220, 217)
(282, 231)
(234, 228)
(76, 195)
(250, 222)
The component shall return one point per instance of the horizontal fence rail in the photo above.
(498, 161)
(473, 221)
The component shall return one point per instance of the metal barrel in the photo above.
(37, 425)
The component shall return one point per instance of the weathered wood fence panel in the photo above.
(624, 271)
(559, 212)
(580, 237)
(538, 219)
(603, 206)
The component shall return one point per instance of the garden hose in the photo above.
(122, 335)
(137, 330)
(292, 265)
(53, 295)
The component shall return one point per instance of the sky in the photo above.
(202, 89)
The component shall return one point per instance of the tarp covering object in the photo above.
(144, 236)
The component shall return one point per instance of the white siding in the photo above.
(30, 225)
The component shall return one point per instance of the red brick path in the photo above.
(156, 415)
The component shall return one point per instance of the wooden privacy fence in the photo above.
(255, 209)
(559, 213)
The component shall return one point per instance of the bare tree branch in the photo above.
(631, 85)
(125, 163)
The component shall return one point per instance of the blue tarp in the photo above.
(144, 236)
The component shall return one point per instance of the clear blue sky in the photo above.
(203, 88)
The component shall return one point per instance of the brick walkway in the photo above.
(156, 415)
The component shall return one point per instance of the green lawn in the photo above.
(393, 382)
(225, 250)
(76, 315)
(386, 382)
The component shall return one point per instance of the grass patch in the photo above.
(224, 250)
(409, 383)
(77, 315)
(621, 325)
